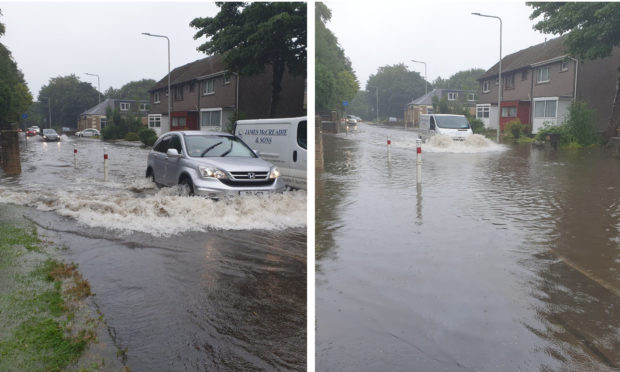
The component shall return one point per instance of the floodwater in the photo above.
(506, 258)
(184, 284)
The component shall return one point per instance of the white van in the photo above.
(454, 126)
(282, 142)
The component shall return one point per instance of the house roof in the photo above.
(427, 99)
(100, 109)
(191, 71)
(546, 51)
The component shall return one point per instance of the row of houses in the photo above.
(539, 84)
(205, 95)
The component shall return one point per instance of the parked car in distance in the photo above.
(89, 132)
(50, 135)
(282, 142)
(210, 164)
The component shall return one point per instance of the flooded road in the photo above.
(507, 258)
(184, 284)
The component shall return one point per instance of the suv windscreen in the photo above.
(217, 146)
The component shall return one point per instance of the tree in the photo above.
(335, 80)
(397, 87)
(255, 35)
(464, 80)
(69, 97)
(15, 98)
(136, 90)
(593, 30)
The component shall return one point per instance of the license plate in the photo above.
(251, 193)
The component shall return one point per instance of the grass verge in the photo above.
(38, 300)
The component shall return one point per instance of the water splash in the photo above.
(164, 212)
(472, 144)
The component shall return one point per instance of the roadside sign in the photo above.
(345, 103)
(24, 116)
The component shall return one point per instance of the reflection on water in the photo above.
(506, 258)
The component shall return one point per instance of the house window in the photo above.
(154, 121)
(485, 87)
(156, 97)
(482, 112)
(103, 121)
(178, 121)
(497, 81)
(509, 82)
(542, 75)
(212, 118)
(226, 79)
(178, 93)
(452, 96)
(564, 66)
(125, 106)
(545, 109)
(209, 87)
(192, 86)
(524, 75)
(471, 97)
(509, 112)
(144, 107)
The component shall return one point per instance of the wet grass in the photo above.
(38, 297)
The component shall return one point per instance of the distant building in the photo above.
(424, 104)
(540, 83)
(205, 95)
(95, 117)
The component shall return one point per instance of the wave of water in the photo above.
(472, 144)
(163, 212)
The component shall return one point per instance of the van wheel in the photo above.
(187, 187)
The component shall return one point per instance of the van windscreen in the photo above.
(452, 122)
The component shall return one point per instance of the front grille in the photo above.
(235, 183)
(240, 176)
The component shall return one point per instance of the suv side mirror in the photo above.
(173, 153)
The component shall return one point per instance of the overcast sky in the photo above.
(50, 39)
(443, 34)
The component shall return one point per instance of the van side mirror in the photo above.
(432, 126)
(173, 153)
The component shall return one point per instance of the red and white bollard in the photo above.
(419, 161)
(105, 164)
(74, 157)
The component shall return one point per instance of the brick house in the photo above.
(95, 117)
(541, 82)
(205, 95)
(424, 104)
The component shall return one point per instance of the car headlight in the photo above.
(274, 173)
(212, 173)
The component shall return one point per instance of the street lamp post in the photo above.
(169, 92)
(499, 99)
(425, 76)
(377, 92)
(49, 108)
(98, 84)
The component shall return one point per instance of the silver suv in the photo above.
(210, 164)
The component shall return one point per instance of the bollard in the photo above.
(389, 144)
(74, 157)
(419, 161)
(105, 164)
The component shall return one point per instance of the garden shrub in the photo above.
(514, 129)
(132, 136)
(147, 135)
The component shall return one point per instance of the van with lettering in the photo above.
(282, 142)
